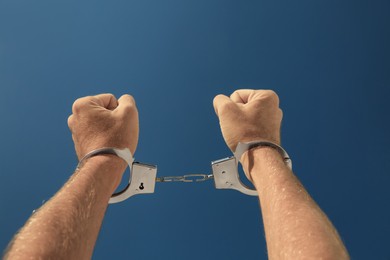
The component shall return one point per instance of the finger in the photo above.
(266, 95)
(220, 102)
(245, 96)
(126, 103)
(70, 122)
(107, 101)
(241, 96)
(79, 104)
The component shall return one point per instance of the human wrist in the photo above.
(257, 158)
(106, 169)
(112, 161)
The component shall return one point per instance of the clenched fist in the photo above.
(249, 115)
(103, 121)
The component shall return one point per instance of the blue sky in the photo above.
(329, 61)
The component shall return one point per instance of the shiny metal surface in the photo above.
(226, 176)
(141, 181)
(143, 178)
(243, 147)
(196, 177)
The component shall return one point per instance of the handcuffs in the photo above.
(143, 177)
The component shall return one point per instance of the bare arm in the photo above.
(67, 226)
(295, 227)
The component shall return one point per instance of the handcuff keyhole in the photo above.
(141, 187)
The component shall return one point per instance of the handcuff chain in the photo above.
(197, 177)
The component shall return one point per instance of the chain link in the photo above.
(186, 178)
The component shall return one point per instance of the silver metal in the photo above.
(225, 171)
(226, 176)
(170, 179)
(142, 176)
(125, 154)
(142, 181)
(243, 147)
(197, 177)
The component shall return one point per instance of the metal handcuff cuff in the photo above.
(143, 177)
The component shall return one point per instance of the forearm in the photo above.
(295, 226)
(66, 227)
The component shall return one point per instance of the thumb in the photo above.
(221, 102)
(125, 103)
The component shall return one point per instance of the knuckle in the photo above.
(236, 95)
(215, 99)
(130, 98)
(280, 113)
(75, 106)
(78, 104)
(269, 93)
(111, 96)
(70, 121)
(236, 92)
(128, 104)
(271, 96)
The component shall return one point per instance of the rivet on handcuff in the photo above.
(143, 177)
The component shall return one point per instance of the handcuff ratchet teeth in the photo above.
(224, 172)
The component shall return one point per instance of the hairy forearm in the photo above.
(295, 227)
(67, 226)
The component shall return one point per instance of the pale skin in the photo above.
(295, 227)
(67, 226)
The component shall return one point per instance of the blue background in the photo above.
(329, 61)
